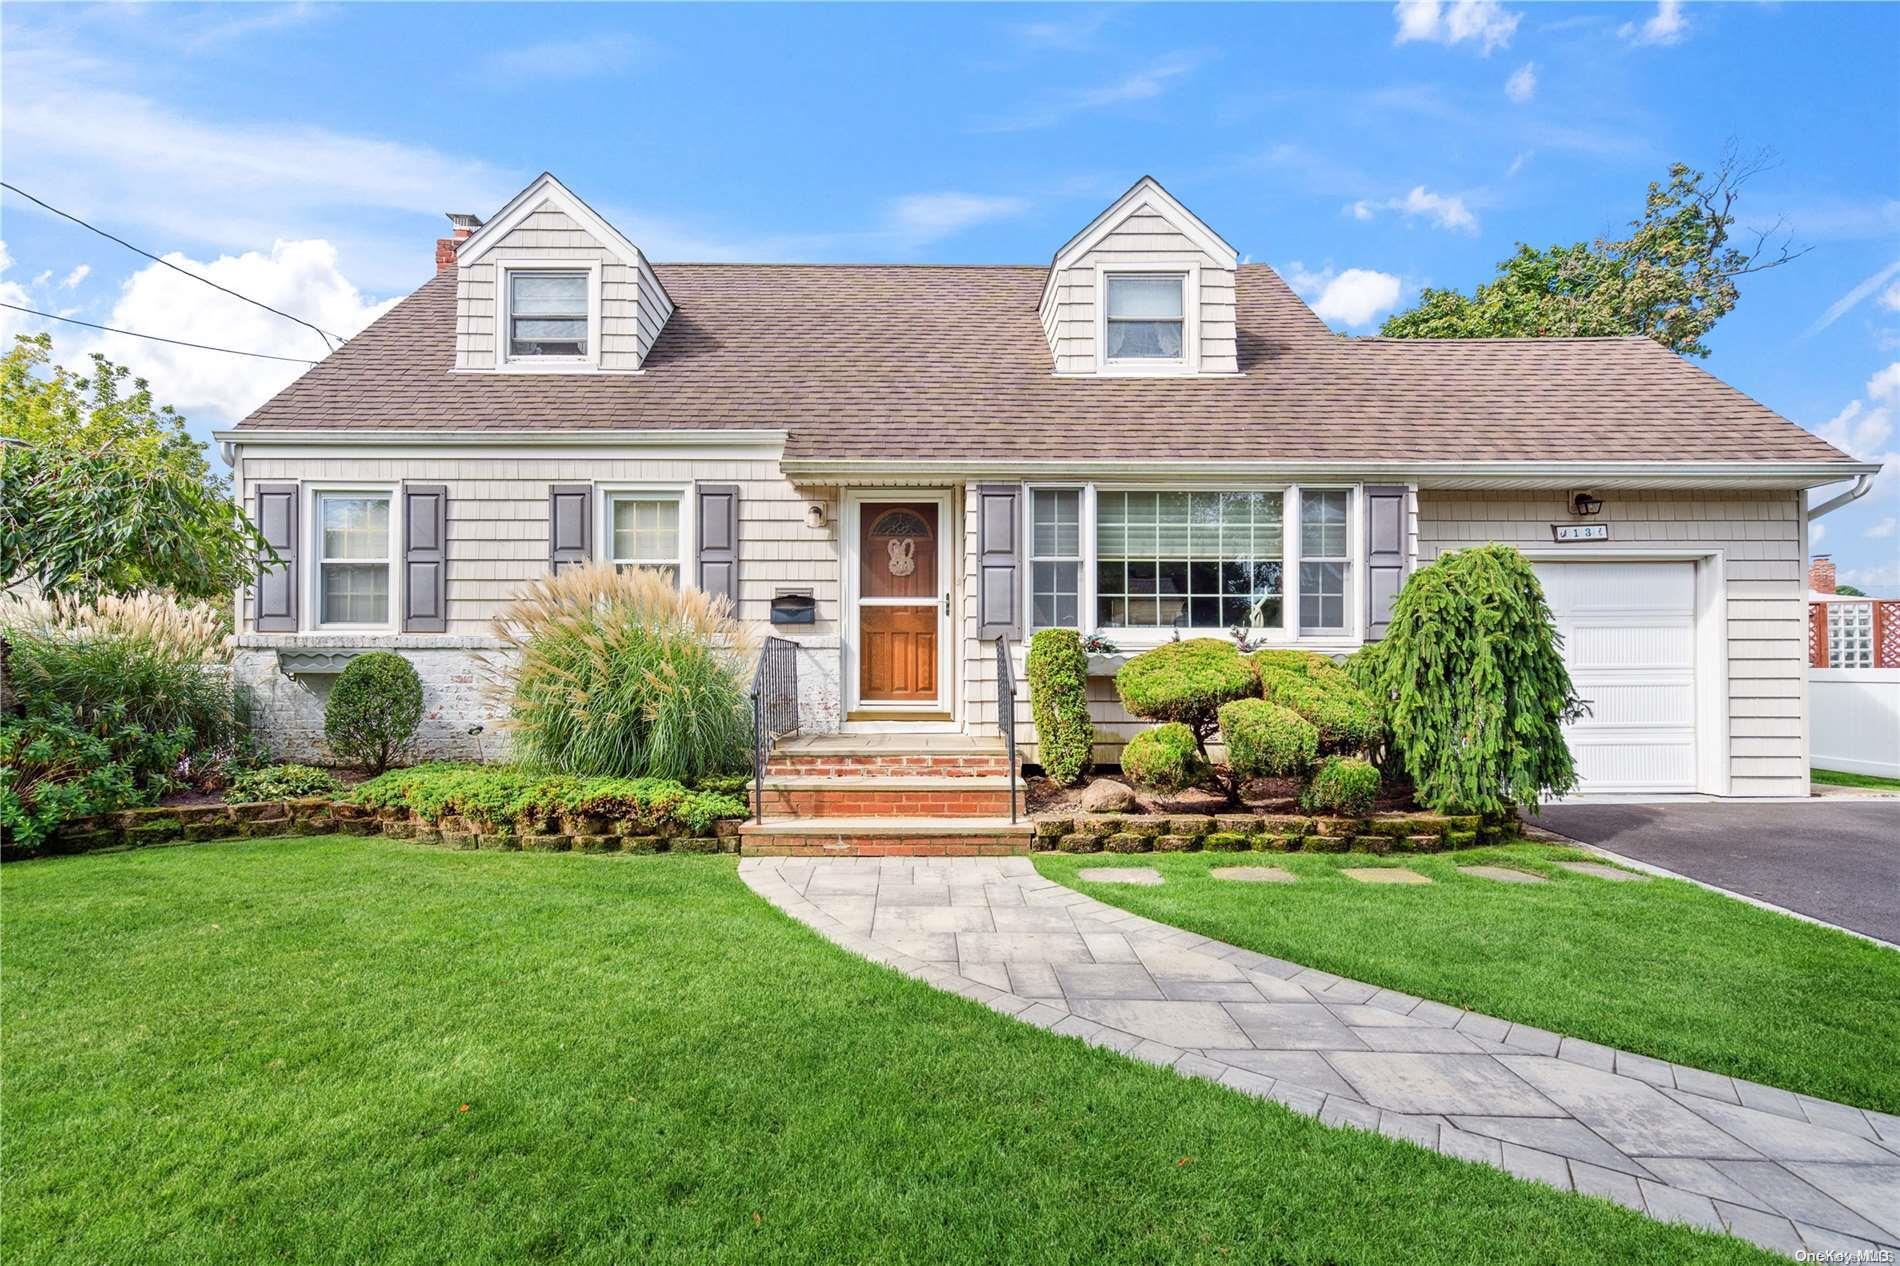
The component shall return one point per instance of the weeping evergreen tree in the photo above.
(1477, 687)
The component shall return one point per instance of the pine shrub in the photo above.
(1266, 740)
(1342, 785)
(1479, 693)
(373, 710)
(1346, 716)
(1187, 682)
(1166, 758)
(1058, 671)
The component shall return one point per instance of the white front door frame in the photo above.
(849, 538)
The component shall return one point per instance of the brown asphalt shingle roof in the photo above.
(889, 361)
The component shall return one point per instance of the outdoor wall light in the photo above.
(1583, 505)
(815, 515)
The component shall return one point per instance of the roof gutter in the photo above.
(1862, 486)
(517, 437)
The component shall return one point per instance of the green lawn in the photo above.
(1661, 968)
(338, 1050)
(1835, 778)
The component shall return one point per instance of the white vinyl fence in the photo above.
(1855, 720)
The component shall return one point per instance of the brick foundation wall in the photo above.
(287, 712)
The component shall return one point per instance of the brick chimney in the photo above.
(465, 226)
(1821, 574)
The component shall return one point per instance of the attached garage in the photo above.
(1630, 641)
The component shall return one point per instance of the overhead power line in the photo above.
(323, 334)
(156, 338)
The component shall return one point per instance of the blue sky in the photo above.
(305, 154)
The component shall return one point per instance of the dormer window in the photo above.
(1144, 317)
(547, 315)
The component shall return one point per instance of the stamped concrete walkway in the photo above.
(1785, 1171)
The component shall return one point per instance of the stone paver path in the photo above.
(1783, 1170)
(1383, 875)
(1503, 874)
(1142, 876)
(1253, 874)
(1599, 870)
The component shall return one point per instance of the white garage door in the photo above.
(1629, 641)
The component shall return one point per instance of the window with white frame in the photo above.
(1850, 635)
(1188, 560)
(547, 314)
(643, 530)
(354, 560)
(1325, 563)
(1055, 558)
(1144, 317)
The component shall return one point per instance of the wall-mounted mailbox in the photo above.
(794, 606)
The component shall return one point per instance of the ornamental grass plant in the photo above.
(619, 674)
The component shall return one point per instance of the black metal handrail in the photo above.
(1006, 713)
(774, 708)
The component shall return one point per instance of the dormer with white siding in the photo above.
(548, 286)
(1146, 290)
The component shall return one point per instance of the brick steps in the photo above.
(884, 837)
(889, 756)
(976, 796)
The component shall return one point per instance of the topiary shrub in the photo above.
(1187, 682)
(1058, 670)
(281, 782)
(1479, 693)
(1166, 758)
(1343, 785)
(374, 709)
(1346, 716)
(1266, 740)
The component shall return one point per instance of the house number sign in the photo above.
(1580, 531)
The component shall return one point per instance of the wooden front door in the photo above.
(900, 598)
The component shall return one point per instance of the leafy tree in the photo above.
(1671, 279)
(1850, 591)
(105, 492)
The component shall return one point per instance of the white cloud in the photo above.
(1666, 26)
(1144, 84)
(1816, 534)
(1885, 383)
(1890, 297)
(1519, 163)
(1360, 210)
(920, 218)
(42, 277)
(1522, 85)
(77, 275)
(1853, 298)
(565, 59)
(1858, 430)
(299, 277)
(1353, 298)
(11, 322)
(1485, 21)
(1445, 211)
(1883, 529)
(1872, 579)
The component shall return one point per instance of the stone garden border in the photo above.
(1266, 833)
(318, 815)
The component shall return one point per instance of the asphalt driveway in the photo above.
(1837, 860)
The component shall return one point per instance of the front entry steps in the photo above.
(889, 755)
(880, 796)
(884, 837)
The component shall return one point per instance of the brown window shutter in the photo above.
(425, 557)
(718, 544)
(999, 561)
(275, 593)
(1385, 556)
(570, 524)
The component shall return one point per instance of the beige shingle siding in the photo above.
(498, 522)
(1760, 537)
(632, 308)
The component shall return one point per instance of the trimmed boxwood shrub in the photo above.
(1267, 740)
(1343, 785)
(1058, 670)
(281, 782)
(1187, 682)
(374, 709)
(1166, 758)
(1477, 688)
(500, 796)
(1346, 717)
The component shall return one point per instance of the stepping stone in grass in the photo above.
(1146, 876)
(1383, 875)
(1253, 874)
(1503, 874)
(1600, 871)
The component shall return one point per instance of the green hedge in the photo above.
(1267, 740)
(509, 796)
(1186, 682)
(1344, 785)
(1166, 758)
(1058, 671)
(1346, 717)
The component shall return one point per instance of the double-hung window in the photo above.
(1850, 635)
(1325, 564)
(1188, 560)
(353, 558)
(1144, 317)
(547, 314)
(1055, 558)
(643, 531)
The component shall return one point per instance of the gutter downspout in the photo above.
(1862, 486)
